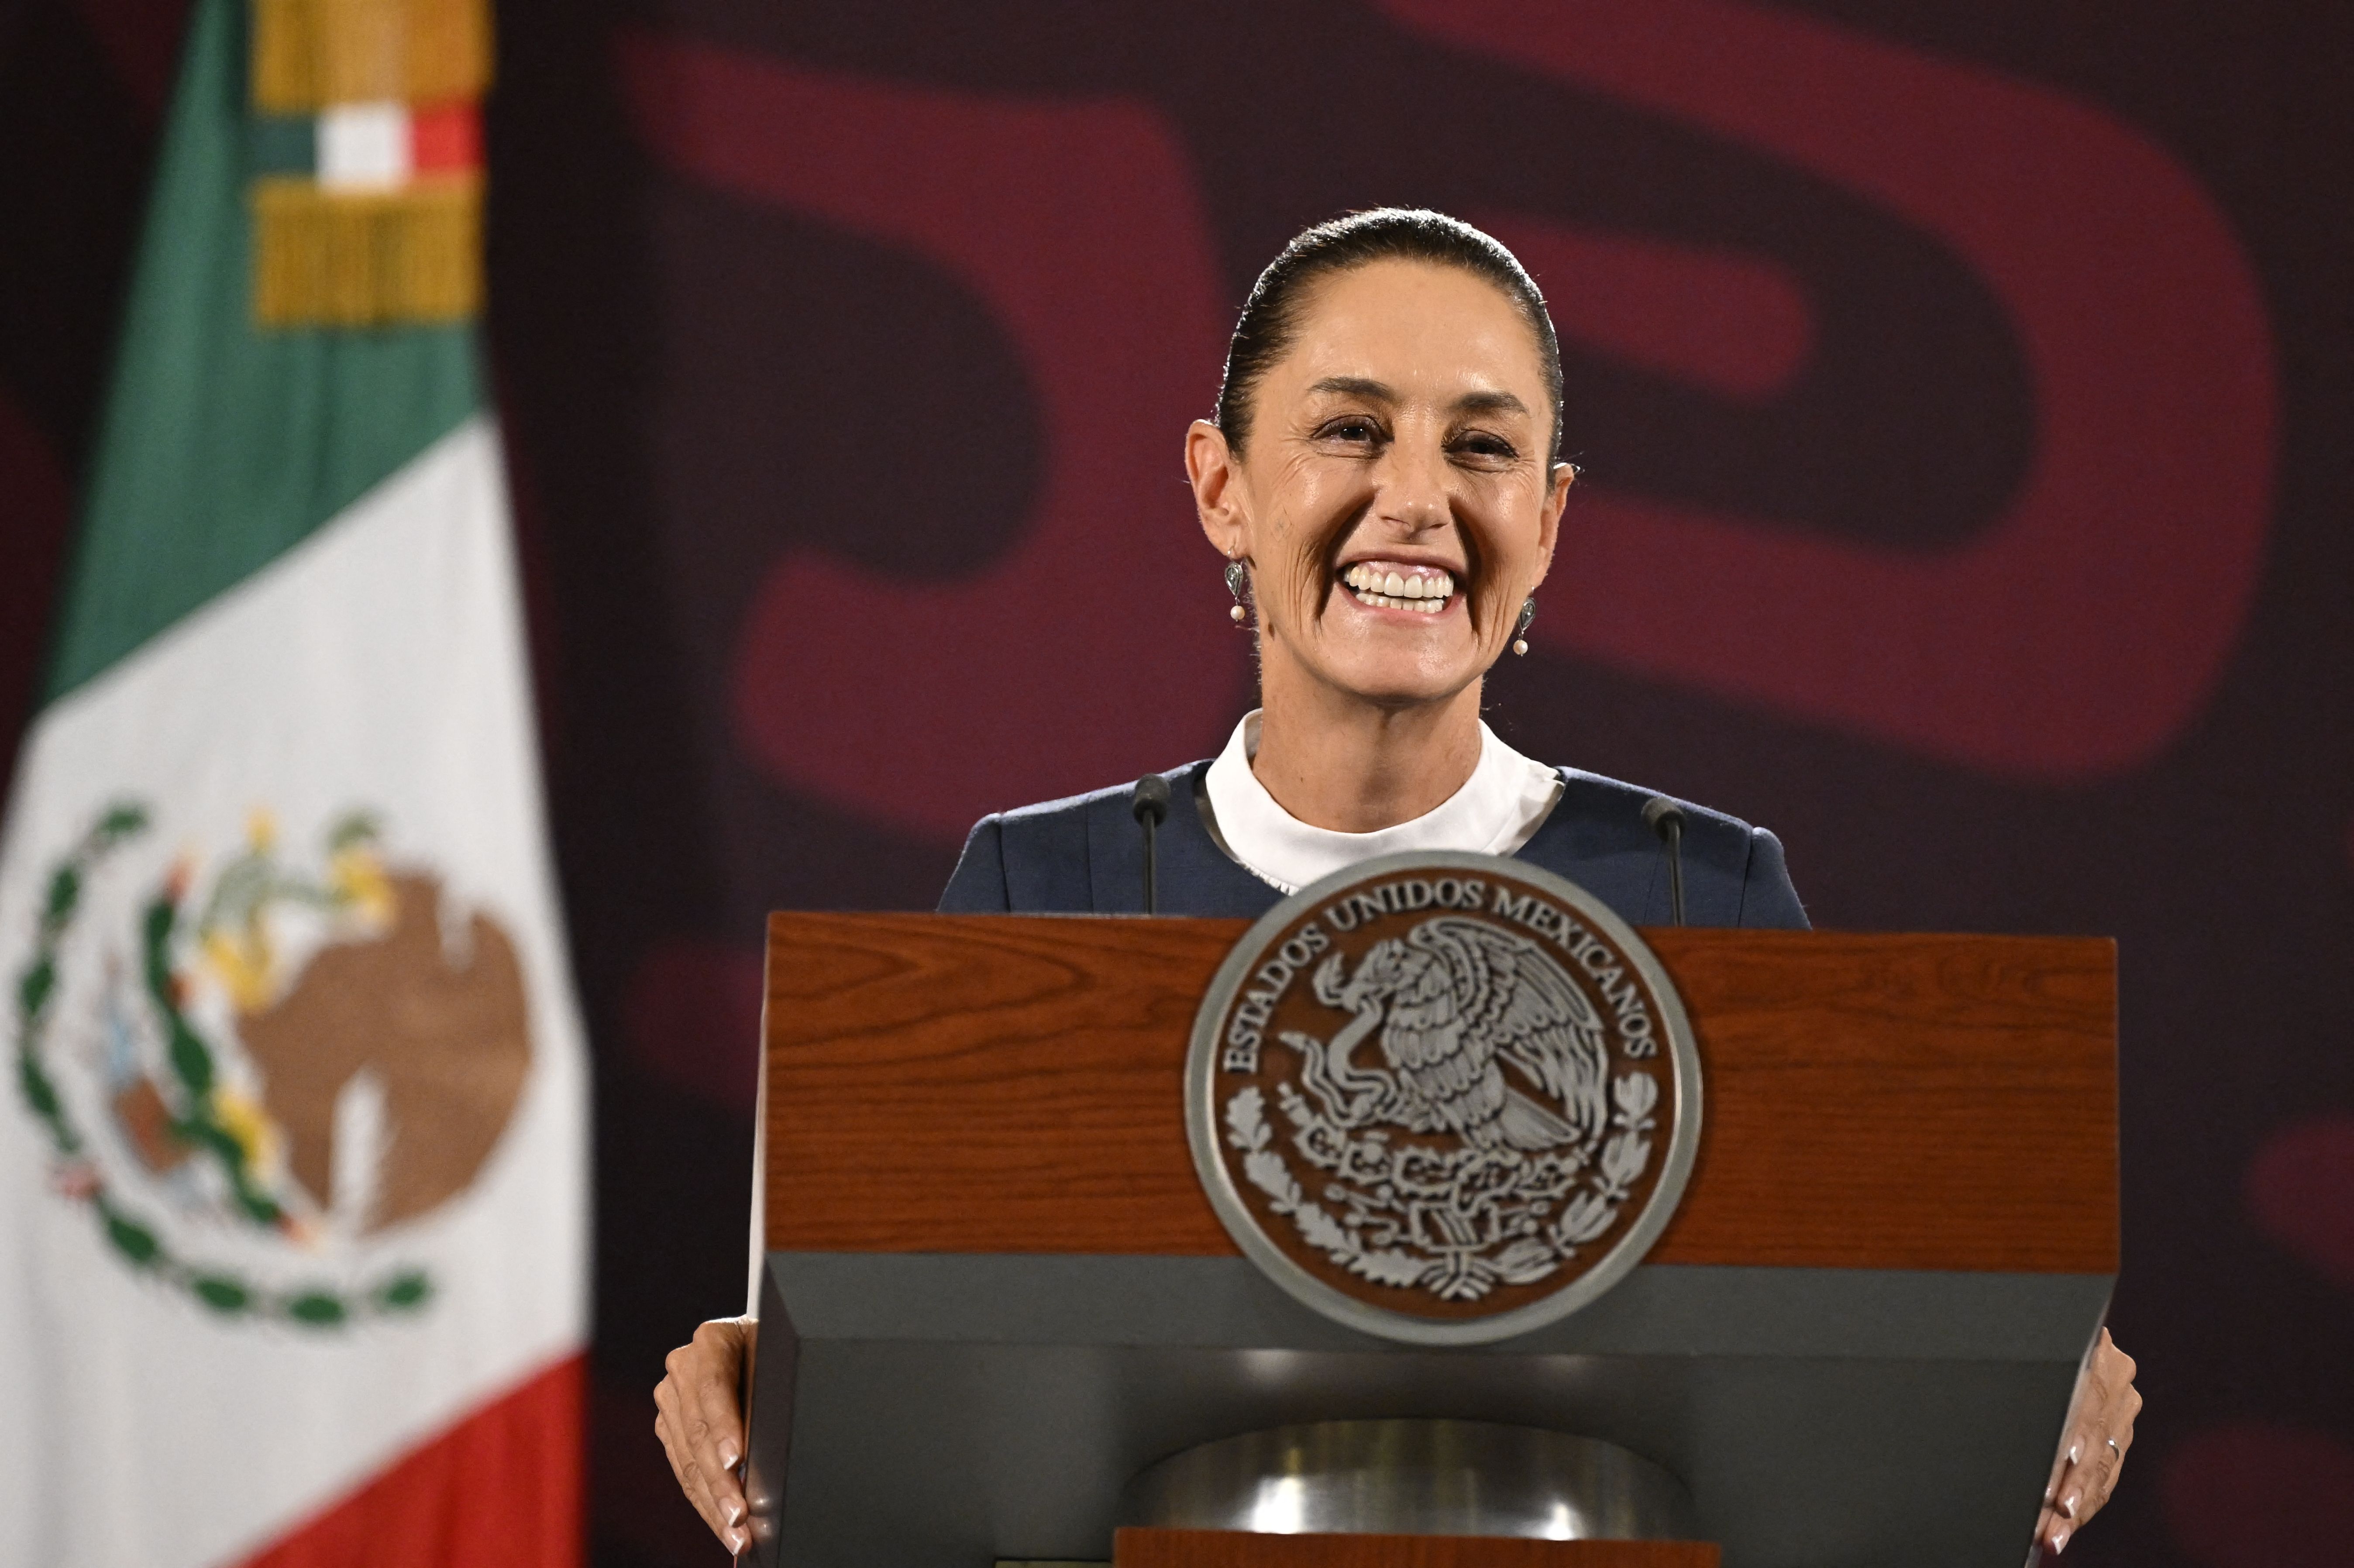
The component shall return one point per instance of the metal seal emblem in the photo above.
(1443, 1098)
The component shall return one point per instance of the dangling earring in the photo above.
(1521, 631)
(1237, 579)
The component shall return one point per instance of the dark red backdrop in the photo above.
(1963, 388)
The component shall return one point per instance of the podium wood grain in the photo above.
(1932, 1102)
(1234, 1549)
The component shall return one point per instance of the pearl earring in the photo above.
(1237, 579)
(1521, 631)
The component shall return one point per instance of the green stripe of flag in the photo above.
(282, 144)
(223, 445)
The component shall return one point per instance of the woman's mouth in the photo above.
(1391, 585)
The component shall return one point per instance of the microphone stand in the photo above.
(1150, 807)
(1667, 820)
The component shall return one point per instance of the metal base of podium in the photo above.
(1413, 1478)
(940, 1409)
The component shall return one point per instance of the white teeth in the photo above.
(1428, 593)
(1383, 602)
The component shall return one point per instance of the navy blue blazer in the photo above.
(1085, 855)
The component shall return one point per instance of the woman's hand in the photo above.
(699, 1418)
(2100, 1430)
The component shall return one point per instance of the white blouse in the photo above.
(1505, 800)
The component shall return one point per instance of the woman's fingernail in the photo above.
(734, 1541)
(2068, 1505)
(2059, 1542)
(728, 1455)
(2075, 1452)
(734, 1510)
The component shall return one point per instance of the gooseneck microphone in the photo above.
(1667, 820)
(1151, 809)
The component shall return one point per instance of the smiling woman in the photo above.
(1382, 476)
(1384, 481)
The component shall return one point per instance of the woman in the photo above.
(1382, 479)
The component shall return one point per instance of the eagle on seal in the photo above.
(1454, 1000)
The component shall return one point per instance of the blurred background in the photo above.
(1963, 393)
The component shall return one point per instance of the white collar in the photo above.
(1503, 802)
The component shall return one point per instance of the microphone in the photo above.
(1667, 820)
(1150, 810)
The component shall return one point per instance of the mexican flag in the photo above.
(293, 1157)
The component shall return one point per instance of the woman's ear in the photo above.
(1210, 469)
(1557, 485)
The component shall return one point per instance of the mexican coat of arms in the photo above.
(256, 1071)
(1443, 1097)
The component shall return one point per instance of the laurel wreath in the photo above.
(222, 1289)
(1458, 1273)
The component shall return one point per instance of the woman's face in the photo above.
(1395, 500)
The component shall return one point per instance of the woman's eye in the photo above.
(1352, 429)
(1493, 448)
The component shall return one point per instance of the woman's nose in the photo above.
(1415, 485)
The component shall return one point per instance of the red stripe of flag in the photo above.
(444, 138)
(500, 1489)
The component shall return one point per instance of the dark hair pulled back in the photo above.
(1270, 320)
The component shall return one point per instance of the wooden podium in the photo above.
(992, 1291)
